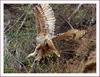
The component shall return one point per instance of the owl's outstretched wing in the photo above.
(71, 34)
(45, 19)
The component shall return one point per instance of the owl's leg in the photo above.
(38, 56)
(52, 47)
(35, 52)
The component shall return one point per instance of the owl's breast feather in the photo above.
(40, 39)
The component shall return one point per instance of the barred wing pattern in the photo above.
(45, 20)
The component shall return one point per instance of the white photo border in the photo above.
(50, 74)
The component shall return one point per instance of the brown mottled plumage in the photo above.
(45, 24)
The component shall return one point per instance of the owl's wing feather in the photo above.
(45, 19)
(40, 22)
(71, 34)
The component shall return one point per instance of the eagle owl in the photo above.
(45, 26)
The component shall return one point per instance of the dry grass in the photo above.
(77, 56)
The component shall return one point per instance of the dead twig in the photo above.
(74, 12)
(19, 62)
(21, 24)
(67, 21)
(15, 23)
(32, 69)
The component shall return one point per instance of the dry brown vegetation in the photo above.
(77, 56)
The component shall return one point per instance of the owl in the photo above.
(45, 26)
